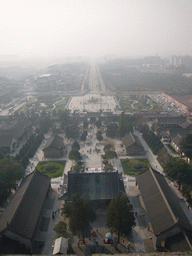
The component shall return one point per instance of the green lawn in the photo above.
(126, 101)
(133, 167)
(52, 169)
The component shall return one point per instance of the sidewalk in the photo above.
(149, 154)
(47, 233)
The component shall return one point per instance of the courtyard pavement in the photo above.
(141, 239)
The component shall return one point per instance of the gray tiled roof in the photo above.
(177, 139)
(171, 120)
(162, 205)
(55, 142)
(130, 140)
(5, 140)
(96, 185)
(15, 127)
(186, 124)
(178, 130)
(22, 213)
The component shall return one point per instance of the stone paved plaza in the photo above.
(93, 102)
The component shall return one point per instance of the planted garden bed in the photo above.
(52, 169)
(133, 167)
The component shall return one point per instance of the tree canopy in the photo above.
(120, 216)
(81, 214)
(61, 228)
(110, 154)
(178, 170)
(83, 136)
(107, 147)
(75, 145)
(98, 123)
(10, 172)
(186, 145)
(125, 124)
(108, 167)
(75, 155)
(85, 124)
(99, 135)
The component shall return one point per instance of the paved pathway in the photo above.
(149, 154)
(49, 235)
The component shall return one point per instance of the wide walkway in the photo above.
(149, 154)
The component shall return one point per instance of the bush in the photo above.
(137, 166)
(51, 168)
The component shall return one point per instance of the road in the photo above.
(149, 154)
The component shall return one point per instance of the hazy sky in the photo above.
(42, 28)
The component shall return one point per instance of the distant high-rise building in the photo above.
(175, 60)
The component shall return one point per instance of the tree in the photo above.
(108, 167)
(64, 117)
(83, 136)
(110, 154)
(61, 228)
(186, 145)
(81, 214)
(99, 137)
(107, 147)
(85, 124)
(178, 170)
(75, 145)
(75, 155)
(10, 172)
(120, 216)
(77, 168)
(125, 124)
(98, 123)
(72, 130)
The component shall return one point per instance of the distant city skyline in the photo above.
(92, 28)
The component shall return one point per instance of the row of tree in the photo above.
(153, 141)
(11, 171)
(120, 128)
(179, 171)
(29, 148)
(81, 214)
(75, 155)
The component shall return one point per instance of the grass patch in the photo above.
(133, 167)
(52, 169)
(144, 103)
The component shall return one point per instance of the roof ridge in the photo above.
(19, 121)
(162, 194)
(132, 136)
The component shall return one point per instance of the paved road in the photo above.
(150, 156)
(102, 84)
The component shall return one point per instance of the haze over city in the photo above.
(47, 28)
